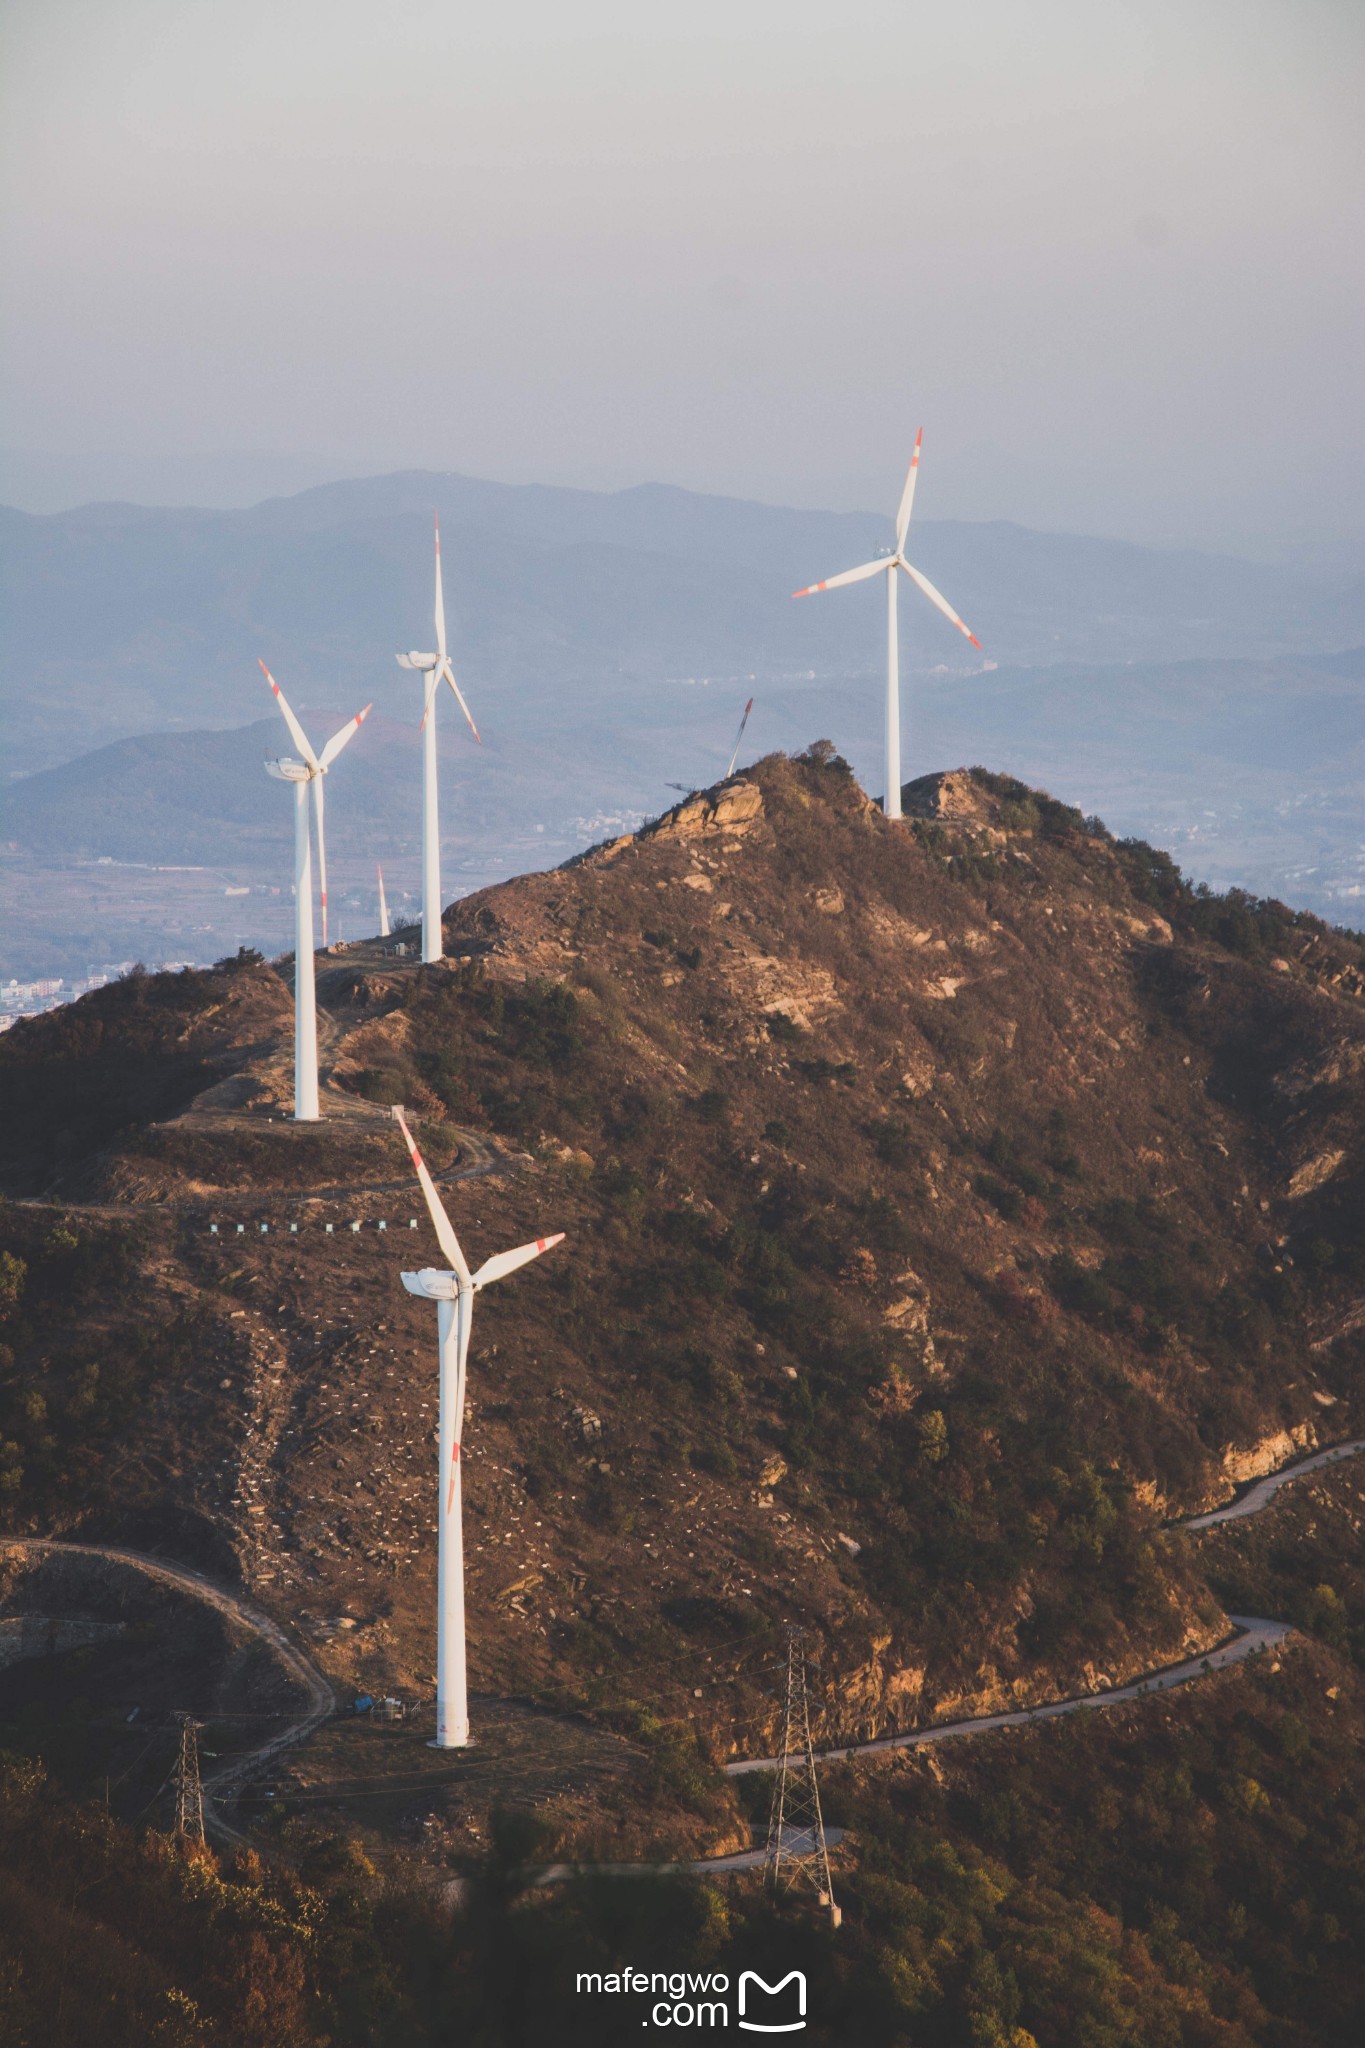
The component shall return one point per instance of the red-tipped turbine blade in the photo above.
(908, 495)
(297, 732)
(738, 737)
(937, 597)
(503, 1263)
(448, 672)
(445, 1230)
(848, 576)
(440, 599)
(347, 732)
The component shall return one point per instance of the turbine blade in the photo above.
(339, 739)
(433, 679)
(300, 738)
(908, 495)
(738, 737)
(317, 781)
(448, 672)
(937, 597)
(848, 576)
(440, 599)
(503, 1263)
(445, 1230)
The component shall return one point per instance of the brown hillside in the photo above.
(946, 1204)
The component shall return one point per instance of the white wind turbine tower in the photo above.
(434, 667)
(453, 1292)
(887, 565)
(310, 769)
(383, 907)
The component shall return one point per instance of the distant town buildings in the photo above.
(30, 998)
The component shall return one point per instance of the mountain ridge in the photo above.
(942, 1200)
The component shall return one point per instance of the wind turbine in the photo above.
(383, 907)
(887, 565)
(453, 1292)
(310, 769)
(738, 737)
(686, 787)
(434, 667)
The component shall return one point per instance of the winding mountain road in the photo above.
(321, 1698)
(1253, 1634)
(1262, 1491)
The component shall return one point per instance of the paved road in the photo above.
(1262, 1491)
(1253, 1634)
(321, 1698)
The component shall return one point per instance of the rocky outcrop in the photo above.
(792, 988)
(1344, 1323)
(1324, 1070)
(1314, 1172)
(874, 1696)
(733, 807)
(881, 1695)
(1255, 1460)
(907, 1315)
(954, 796)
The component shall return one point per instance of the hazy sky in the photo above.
(1108, 255)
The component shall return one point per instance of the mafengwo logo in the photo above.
(684, 1998)
(772, 2008)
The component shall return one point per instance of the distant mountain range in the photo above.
(607, 642)
(115, 619)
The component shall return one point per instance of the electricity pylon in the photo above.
(796, 1851)
(189, 1792)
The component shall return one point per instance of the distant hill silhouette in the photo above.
(118, 619)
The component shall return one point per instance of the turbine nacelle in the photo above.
(422, 662)
(288, 770)
(432, 1284)
(435, 1285)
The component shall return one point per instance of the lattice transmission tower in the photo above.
(797, 1853)
(189, 1791)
